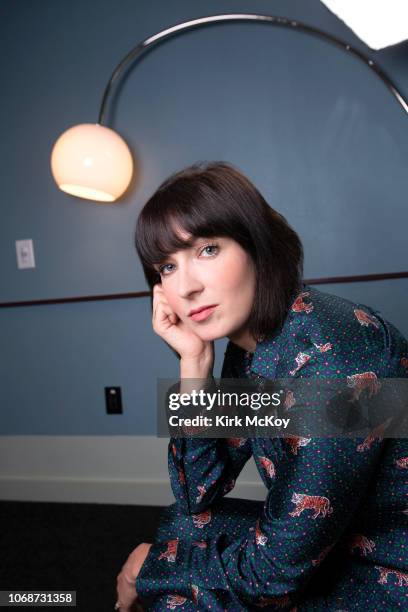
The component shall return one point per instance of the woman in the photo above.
(332, 530)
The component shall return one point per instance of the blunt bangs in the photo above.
(159, 231)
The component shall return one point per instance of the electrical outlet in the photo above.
(113, 399)
(25, 254)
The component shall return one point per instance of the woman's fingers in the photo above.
(158, 296)
(163, 316)
(173, 318)
(158, 293)
(157, 288)
(126, 592)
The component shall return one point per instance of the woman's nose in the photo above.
(188, 282)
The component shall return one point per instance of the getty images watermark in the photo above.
(208, 400)
(308, 407)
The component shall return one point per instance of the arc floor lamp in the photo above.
(92, 161)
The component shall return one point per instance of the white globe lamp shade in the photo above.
(92, 161)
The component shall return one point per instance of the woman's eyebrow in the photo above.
(187, 245)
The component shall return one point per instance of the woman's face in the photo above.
(214, 272)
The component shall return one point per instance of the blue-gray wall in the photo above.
(315, 130)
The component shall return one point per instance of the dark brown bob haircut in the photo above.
(216, 200)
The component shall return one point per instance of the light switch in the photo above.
(25, 254)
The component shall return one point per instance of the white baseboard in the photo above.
(97, 469)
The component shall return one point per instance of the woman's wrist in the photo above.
(194, 373)
(197, 367)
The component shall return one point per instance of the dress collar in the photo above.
(267, 352)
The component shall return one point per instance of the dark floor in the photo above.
(77, 547)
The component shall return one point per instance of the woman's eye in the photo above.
(210, 249)
(164, 269)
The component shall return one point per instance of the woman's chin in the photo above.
(209, 335)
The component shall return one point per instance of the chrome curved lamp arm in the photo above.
(269, 19)
(93, 162)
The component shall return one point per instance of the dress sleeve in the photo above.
(203, 470)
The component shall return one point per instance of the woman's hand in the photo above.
(191, 348)
(126, 587)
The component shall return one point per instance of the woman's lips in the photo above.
(203, 314)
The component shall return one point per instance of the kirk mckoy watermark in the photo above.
(228, 421)
(356, 406)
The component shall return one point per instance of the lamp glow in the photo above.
(93, 162)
